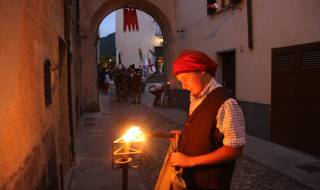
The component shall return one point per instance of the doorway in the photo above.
(229, 70)
(159, 59)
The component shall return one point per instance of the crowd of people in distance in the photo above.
(129, 84)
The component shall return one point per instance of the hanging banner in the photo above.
(150, 65)
(130, 20)
(141, 58)
(140, 54)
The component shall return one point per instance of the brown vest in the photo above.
(200, 136)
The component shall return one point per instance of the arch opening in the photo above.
(91, 41)
(123, 44)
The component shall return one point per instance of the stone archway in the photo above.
(94, 11)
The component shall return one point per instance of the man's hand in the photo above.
(176, 132)
(179, 159)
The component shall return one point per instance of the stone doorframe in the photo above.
(162, 11)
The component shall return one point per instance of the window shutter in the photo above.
(285, 60)
(311, 58)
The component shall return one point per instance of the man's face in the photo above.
(192, 81)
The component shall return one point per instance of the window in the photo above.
(211, 7)
(216, 6)
(47, 82)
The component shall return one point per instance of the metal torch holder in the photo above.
(126, 155)
(126, 152)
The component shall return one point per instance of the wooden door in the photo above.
(308, 106)
(70, 106)
(284, 96)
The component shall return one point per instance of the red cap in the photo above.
(191, 60)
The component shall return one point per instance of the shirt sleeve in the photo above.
(230, 122)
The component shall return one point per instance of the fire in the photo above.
(134, 134)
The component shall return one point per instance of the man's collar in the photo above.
(205, 91)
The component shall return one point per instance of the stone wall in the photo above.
(40, 168)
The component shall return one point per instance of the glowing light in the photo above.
(134, 134)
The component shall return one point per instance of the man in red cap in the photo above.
(214, 133)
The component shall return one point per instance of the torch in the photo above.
(126, 152)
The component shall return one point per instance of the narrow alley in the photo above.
(238, 81)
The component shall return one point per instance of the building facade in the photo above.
(146, 38)
(268, 55)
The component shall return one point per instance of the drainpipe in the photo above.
(249, 18)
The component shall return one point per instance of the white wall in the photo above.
(127, 43)
(275, 24)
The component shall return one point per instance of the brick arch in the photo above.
(163, 14)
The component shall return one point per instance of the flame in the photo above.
(134, 134)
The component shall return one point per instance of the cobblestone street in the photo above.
(95, 136)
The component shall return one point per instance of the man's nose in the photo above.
(184, 86)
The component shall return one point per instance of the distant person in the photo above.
(143, 79)
(101, 77)
(106, 84)
(121, 81)
(156, 89)
(131, 71)
(136, 85)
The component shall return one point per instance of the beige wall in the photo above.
(128, 42)
(29, 130)
(275, 24)
(93, 12)
(24, 118)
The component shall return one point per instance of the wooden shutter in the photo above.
(295, 97)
